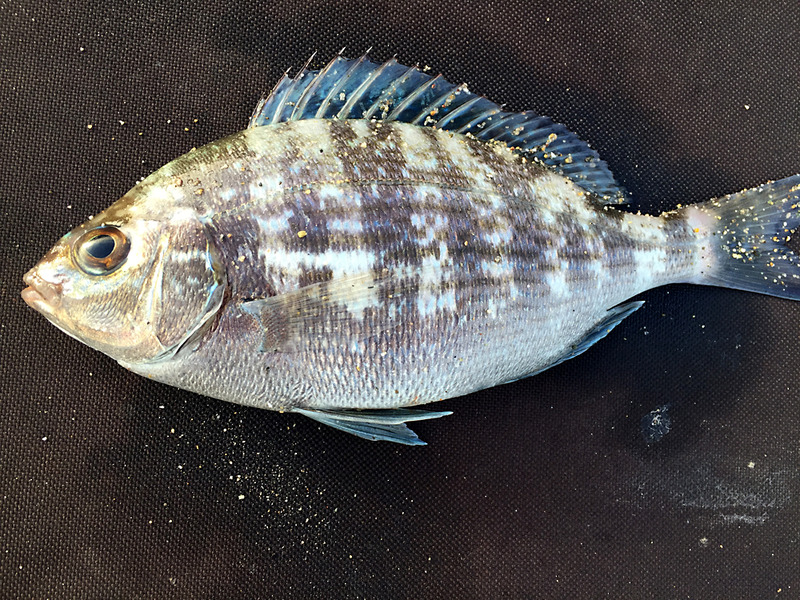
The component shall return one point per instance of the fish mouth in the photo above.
(32, 297)
(41, 295)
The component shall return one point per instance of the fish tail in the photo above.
(745, 236)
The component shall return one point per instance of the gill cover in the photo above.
(185, 289)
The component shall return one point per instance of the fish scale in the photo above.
(470, 292)
(378, 239)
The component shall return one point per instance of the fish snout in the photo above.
(41, 294)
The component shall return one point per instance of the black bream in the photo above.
(378, 238)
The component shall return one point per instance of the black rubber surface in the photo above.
(663, 463)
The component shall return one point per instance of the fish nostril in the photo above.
(29, 277)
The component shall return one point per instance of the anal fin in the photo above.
(614, 316)
(387, 425)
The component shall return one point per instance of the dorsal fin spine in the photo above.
(359, 92)
(399, 108)
(259, 113)
(276, 113)
(304, 72)
(434, 105)
(335, 90)
(309, 91)
(370, 111)
(386, 94)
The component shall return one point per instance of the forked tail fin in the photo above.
(747, 235)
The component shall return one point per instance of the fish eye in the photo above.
(101, 251)
(100, 247)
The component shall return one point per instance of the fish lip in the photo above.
(35, 300)
(41, 295)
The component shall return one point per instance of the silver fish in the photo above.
(377, 239)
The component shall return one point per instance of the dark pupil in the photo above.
(100, 247)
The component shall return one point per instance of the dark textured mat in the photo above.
(112, 486)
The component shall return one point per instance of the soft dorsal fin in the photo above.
(362, 89)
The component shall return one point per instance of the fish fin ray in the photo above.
(601, 329)
(330, 107)
(614, 316)
(363, 89)
(271, 109)
(747, 239)
(377, 425)
(281, 103)
(363, 102)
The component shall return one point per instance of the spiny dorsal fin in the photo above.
(362, 89)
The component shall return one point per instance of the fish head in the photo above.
(135, 282)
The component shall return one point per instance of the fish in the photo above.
(378, 238)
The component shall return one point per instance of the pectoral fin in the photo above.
(298, 320)
(388, 425)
